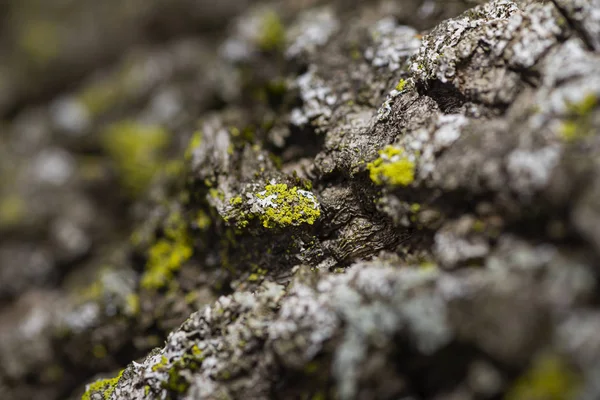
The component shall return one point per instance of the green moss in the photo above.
(272, 36)
(286, 206)
(104, 387)
(167, 255)
(136, 152)
(579, 123)
(549, 378)
(236, 201)
(392, 168)
(401, 85)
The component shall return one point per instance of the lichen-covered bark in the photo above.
(356, 200)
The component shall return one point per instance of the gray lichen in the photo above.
(356, 201)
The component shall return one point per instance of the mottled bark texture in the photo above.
(325, 200)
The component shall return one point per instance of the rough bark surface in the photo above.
(344, 199)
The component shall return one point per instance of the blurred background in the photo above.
(96, 98)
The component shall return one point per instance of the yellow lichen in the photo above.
(355, 54)
(96, 290)
(392, 167)
(579, 124)
(202, 220)
(40, 41)
(236, 201)
(132, 304)
(104, 387)
(167, 255)
(98, 98)
(428, 265)
(196, 351)
(99, 291)
(136, 151)
(401, 85)
(172, 168)
(191, 297)
(549, 378)
(103, 95)
(12, 210)
(285, 206)
(478, 226)
(569, 131)
(216, 194)
(161, 364)
(585, 106)
(176, 382)
(272, 36)
(195, 141)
